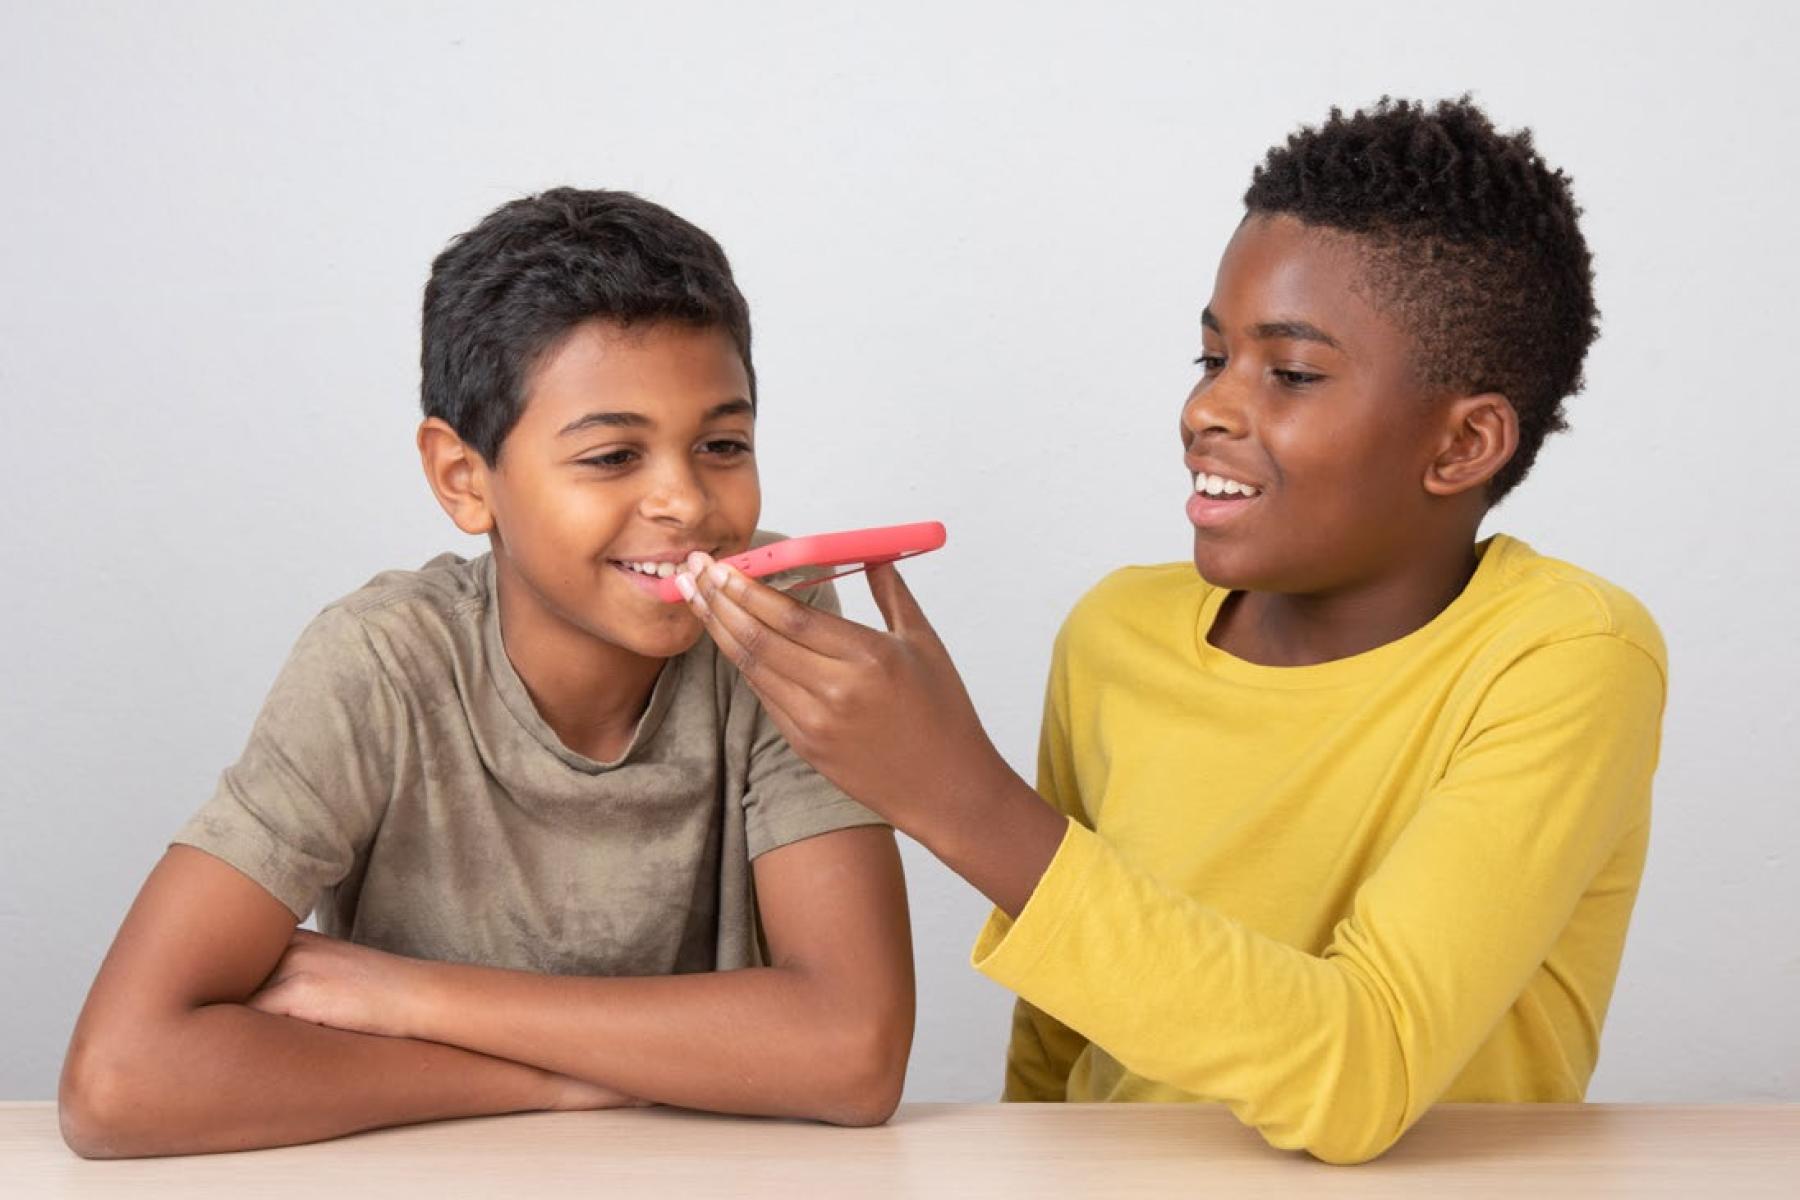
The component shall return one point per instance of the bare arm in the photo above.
(167, 1059)
(823, 1032)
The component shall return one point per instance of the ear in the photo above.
(1479, 435)
(457, 474)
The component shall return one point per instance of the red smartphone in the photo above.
(860, 546)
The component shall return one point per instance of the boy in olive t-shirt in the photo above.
(561, 856)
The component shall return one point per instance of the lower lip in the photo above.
(1212, 512)
(647, 582)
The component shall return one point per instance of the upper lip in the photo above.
(1223, 470)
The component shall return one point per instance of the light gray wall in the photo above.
(976, 240)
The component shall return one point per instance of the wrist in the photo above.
(1003, 839)
(425, 1001)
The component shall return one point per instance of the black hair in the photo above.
(1471, 243)
(506, 292)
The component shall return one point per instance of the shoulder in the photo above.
(445, 588)
(1546, 601)
(410, 625)
(1154, 603)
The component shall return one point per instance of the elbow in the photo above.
(110, 1102)
(96, 1105)
(1349, 1152)
(868, 1099)
(867, 1073)
(1341, 1130)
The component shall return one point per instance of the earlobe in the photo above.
(1481, 434)
(457, 474)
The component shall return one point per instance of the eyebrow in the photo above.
(1298, 331)
(636, 420)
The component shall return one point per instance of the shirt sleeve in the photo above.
(1042, 1050)
(1339, 1053)
(786, 800)
(308, 792)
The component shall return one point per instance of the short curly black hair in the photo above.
(506, 292)
(1472, 242)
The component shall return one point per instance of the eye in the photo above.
(726, 448)
(1289, 378)
(1210, 364)
(612, 460)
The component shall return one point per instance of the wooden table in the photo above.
(938, 1150)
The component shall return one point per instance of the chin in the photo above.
(661, 641)
(1221, 568)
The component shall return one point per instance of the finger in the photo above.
(268, 985)
(778, 697)
(771, 646)
(743, 641)
(902, 613)
(271, 998)
(821, 632)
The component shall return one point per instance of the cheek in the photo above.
(584, 520)
(1310, 456)
(739, 499)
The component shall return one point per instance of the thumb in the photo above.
(902, 613)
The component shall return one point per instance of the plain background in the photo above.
(976, 240)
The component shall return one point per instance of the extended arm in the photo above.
(1337, 1053)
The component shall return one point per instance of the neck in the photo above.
(590, 692)
(1279, 629)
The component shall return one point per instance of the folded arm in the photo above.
(823, 1032)
(167, 1058)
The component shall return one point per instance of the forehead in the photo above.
(662, 370)
(1278, 269)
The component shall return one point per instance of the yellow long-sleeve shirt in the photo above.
(1330, 896)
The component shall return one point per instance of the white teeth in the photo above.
(1218, 485)
(664, 570)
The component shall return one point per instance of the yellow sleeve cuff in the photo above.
(1008, 951)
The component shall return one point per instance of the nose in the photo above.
(1216, 407)
(675, 496)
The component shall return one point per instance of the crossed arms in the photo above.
(215, 1025)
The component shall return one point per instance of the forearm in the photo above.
(764, 1040)
(226, 1077)
(992, 829)
(1304, 1047)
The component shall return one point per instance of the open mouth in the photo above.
(647, 573)
(1218, 498)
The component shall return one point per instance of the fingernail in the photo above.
(697, 561)
(718, 573)
(684, 583)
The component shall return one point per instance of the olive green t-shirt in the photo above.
(400, 781)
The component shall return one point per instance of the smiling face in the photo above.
(634, 449)
(1308, 437)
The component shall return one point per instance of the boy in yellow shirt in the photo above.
(1351, 819)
